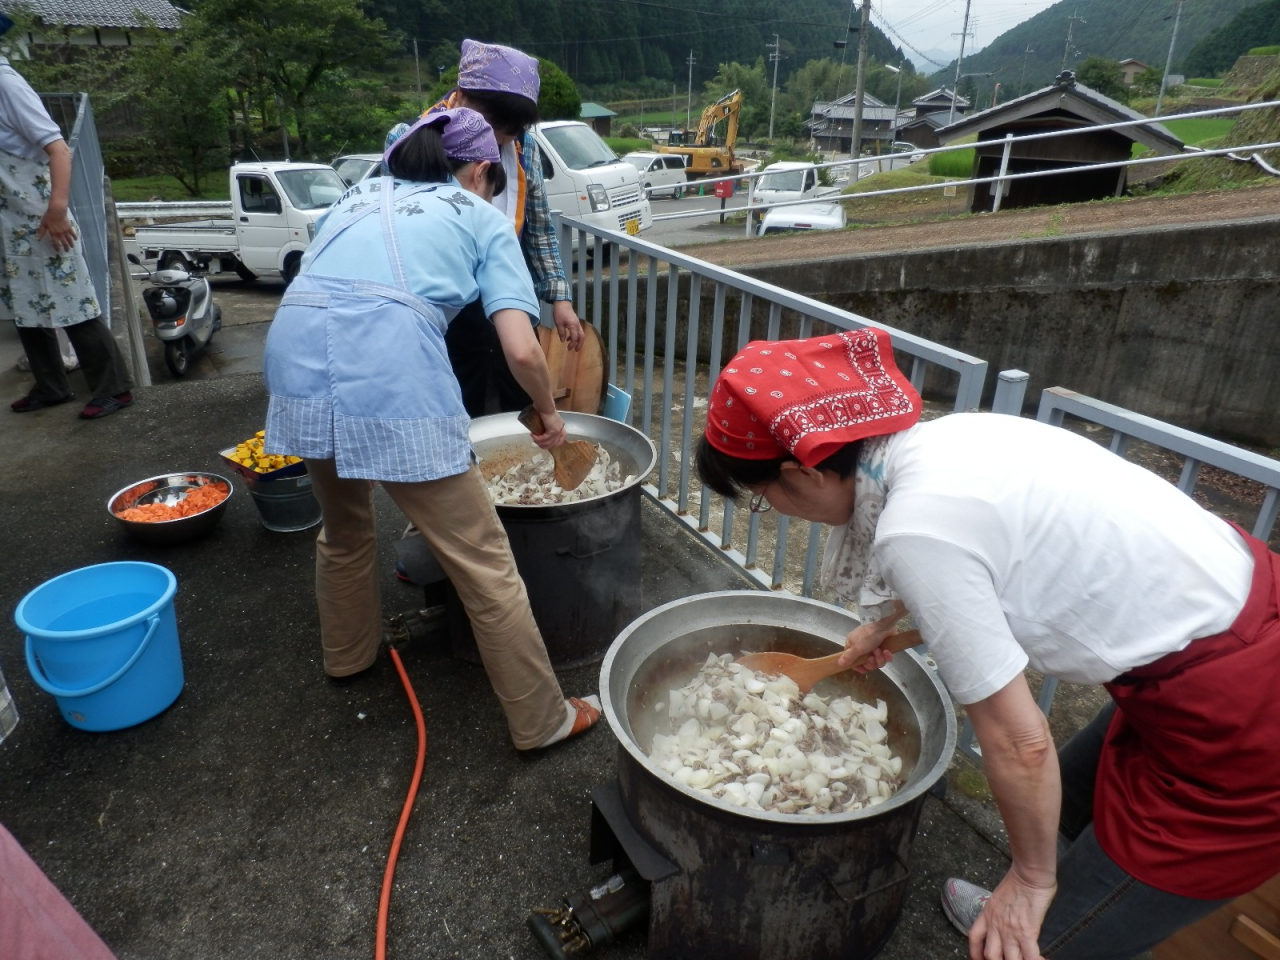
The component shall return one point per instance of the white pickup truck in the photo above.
(274, 208)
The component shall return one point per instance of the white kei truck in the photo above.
(274, 208)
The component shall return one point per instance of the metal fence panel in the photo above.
(74, 116)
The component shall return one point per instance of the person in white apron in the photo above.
(45, 284)
(361, 388)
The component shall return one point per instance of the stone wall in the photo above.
(1181, 324)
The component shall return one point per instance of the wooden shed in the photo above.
(599, 118)
(1064, 105)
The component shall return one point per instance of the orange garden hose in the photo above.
(384, 901)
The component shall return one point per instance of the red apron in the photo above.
(1188, 789)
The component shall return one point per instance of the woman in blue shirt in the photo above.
(361, 387)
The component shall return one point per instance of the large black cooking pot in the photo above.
(580, 561)
(737, 884)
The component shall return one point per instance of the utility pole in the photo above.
(1169, 59)
(775, 57)
(284, 126)
(955, 87)
(1022, 83)
(688, 110)
(897, 103)
(864, 35)
(1071, 25)
(418, 70)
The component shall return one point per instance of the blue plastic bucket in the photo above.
(104, 641)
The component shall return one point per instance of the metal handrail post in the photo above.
(1011, 392)
(1004, 168)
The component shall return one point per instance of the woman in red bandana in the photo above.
(1014, 544)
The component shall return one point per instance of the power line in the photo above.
(712, 13)
(889, 27)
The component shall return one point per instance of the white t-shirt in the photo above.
(25, 125)
(1014, 543)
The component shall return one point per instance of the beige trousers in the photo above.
(458, 521)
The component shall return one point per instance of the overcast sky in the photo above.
(930, 24)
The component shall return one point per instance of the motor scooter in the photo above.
(180, 302)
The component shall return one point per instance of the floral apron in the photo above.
(1188, 789)
(39, 286)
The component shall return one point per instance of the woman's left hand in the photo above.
(568, 326)
(865, 641)
(57, 226)
(1008, 928)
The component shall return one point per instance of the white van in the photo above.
(661, 174)
(784, 181)
(803, 216)
(585, 179)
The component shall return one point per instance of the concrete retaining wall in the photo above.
(1182, 324)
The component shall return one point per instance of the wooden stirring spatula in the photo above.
(573, 458)
(806, 672)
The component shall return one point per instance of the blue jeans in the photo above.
(1101, 912)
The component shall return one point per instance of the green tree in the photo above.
(289, 46)
(1105, 76)
(823, 80)
(559, 98)
(753, 120)
(180, 94)
(1147, 83)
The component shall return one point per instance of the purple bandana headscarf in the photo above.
(489, 66)
(466, 135)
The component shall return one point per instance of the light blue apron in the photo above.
(358, 371)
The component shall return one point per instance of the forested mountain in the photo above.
(1257, 26)
(612, 42)
(1115, 29)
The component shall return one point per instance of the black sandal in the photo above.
(30, 404)
(100, 407)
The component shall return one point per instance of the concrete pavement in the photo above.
(253, 817)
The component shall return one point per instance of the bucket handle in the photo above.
(37, 672)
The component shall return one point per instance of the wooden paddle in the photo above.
(806, 672)
(573, 458)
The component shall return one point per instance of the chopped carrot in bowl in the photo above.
(196, 501)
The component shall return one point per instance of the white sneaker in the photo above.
(962, 901)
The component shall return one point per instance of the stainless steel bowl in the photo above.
(169, 488)
(501, 441)
(664, 648)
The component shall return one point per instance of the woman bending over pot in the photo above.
(361, 388)
(1014, 544)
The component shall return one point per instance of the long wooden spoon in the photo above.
(806, 672)
(573, 458)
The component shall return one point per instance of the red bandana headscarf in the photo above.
(809, 397)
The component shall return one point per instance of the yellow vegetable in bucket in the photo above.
(250, 454)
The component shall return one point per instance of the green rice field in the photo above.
(957, 163)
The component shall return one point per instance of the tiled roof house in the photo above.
(108, 23)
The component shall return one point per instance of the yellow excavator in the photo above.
(709, 153)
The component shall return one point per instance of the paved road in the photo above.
(688, 230)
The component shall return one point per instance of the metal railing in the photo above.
(1005, 145)
(704, 314)
(74, 116)
(668, 387)
(150, 209)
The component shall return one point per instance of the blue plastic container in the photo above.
(104, 641)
